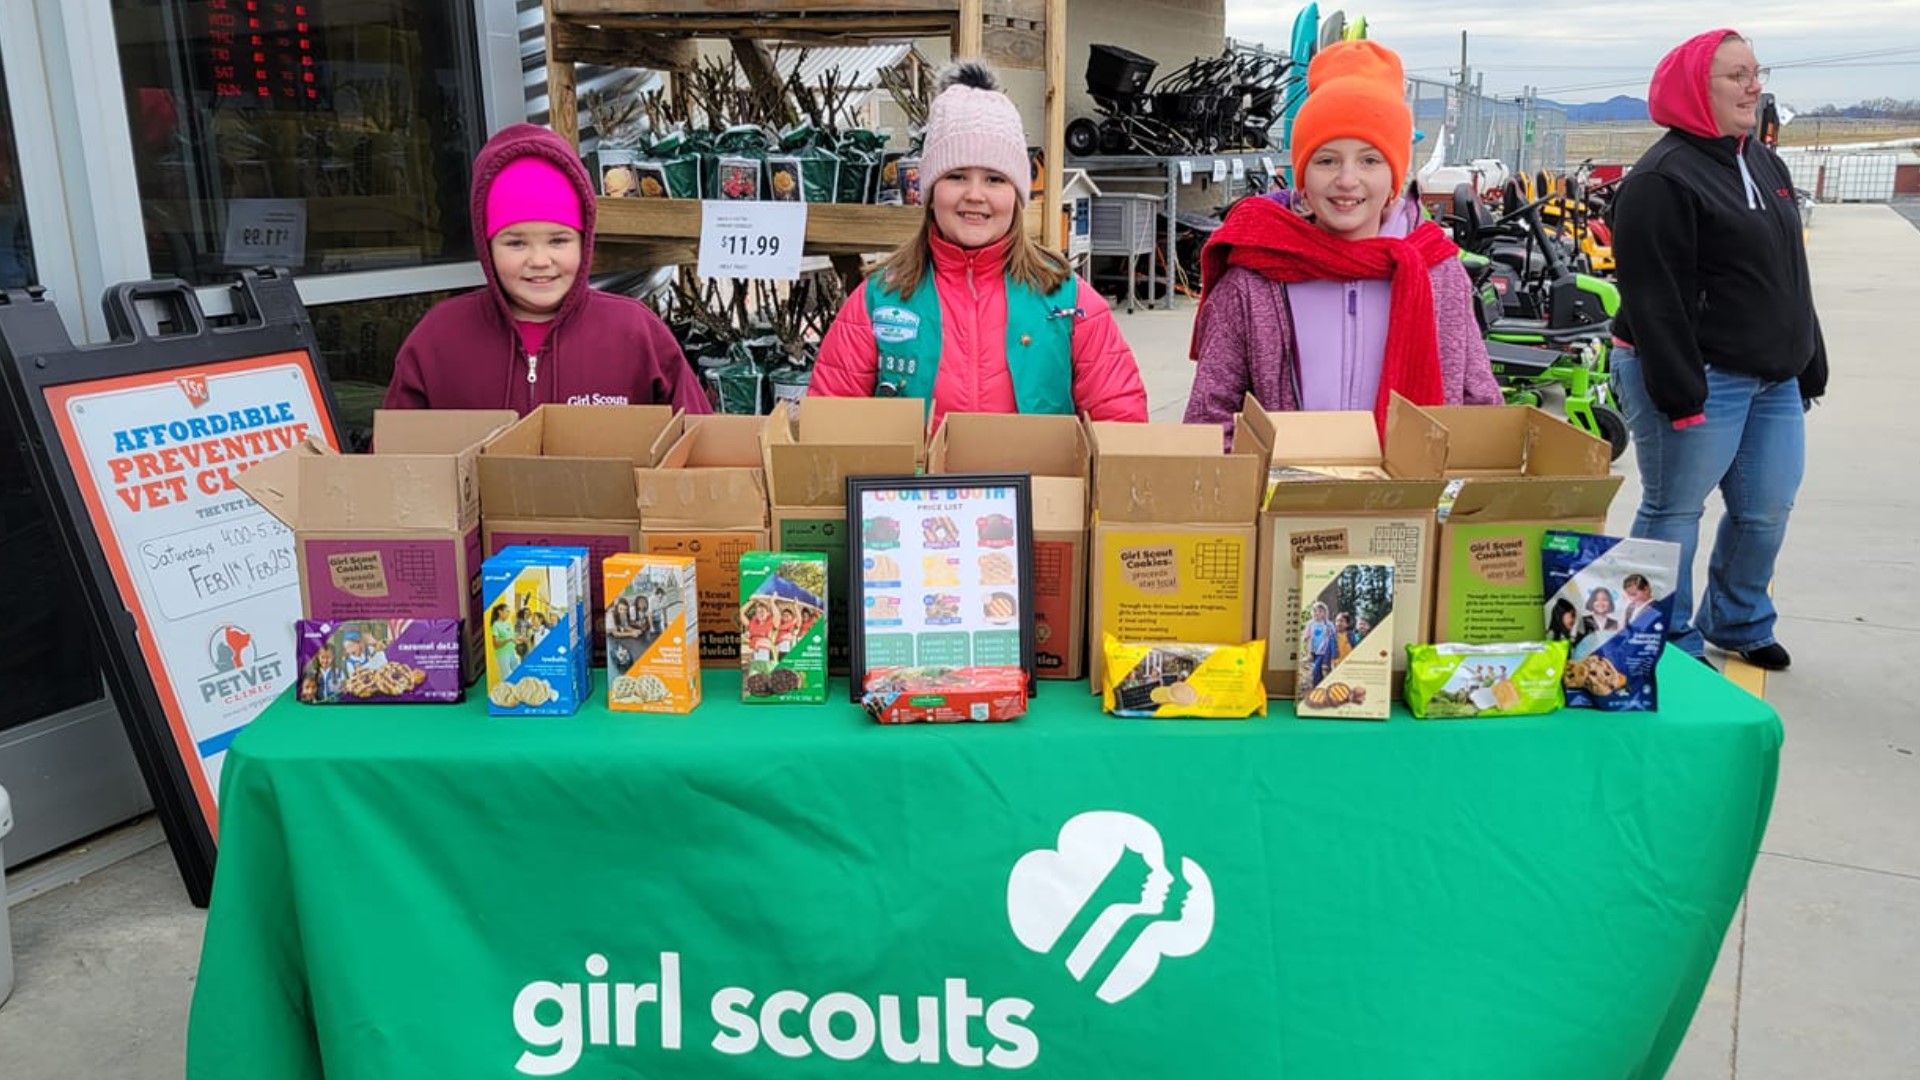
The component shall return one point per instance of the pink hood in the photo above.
(512, 143)
(1679, 96)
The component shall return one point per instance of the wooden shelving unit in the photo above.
(660, 34)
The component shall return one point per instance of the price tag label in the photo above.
(1239, 169)
(266, 232)
(760, 240)
(1186, 171)
(1219, 171)
(1266, 163)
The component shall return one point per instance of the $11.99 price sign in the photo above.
(266, 232)
(759, 240)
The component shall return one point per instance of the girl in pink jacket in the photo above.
(1001, 324)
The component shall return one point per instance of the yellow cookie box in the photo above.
(653, 633)
(1169, 681)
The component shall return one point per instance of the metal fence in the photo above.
(1845, 177)
(1525, 134)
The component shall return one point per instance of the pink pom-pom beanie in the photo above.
(972, 123)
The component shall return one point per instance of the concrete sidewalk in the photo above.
(1816, 976)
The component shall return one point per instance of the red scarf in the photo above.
(1281, 246)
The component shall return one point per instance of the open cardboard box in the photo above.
(1174, 533)
(707, 498)
(807, 463)
(390, 535)
(1521, 473)
(1333, 490)
(563, 476)
(1055, 452)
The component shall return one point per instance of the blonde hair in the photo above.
(1027, 263)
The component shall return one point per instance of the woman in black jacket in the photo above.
(1720, 351)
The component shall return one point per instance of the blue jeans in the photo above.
(1753, 447)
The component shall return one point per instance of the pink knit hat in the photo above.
(972, 123)
(532, 189)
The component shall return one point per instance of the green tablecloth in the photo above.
(767, 891)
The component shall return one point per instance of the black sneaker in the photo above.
(1768, 657)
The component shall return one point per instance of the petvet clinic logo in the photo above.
(239, 671)
(1104, 891)
(230, 648)
(195, 387)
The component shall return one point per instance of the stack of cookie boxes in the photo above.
(391, 535)
(808, 461)
(1520, 473)
(707, 499)
(1333, 490)
(539, 653)
(1458, 498)
(1054, 450)
(1173, 535)
(564, 476)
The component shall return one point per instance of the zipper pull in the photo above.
(533, 369)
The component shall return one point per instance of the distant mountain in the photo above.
(1618, 107)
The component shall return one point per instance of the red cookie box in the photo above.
(945, 695)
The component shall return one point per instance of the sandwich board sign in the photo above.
(134, 446)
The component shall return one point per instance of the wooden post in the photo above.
(1055, 143)
(756, 60)
(969, 40)
(563, 109)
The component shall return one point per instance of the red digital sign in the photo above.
(262, 51)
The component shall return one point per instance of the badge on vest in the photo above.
(893, 375)
(895, 325)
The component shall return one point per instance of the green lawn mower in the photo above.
(1548, 328)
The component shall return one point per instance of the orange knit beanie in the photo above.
(1355, 90)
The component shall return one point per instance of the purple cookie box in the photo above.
(428, 646)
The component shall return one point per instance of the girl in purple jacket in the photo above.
(1337, 295)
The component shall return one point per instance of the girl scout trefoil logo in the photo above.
(1104, 900)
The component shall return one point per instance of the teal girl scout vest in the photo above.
(1039, 342)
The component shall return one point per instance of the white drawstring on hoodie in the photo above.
(1746, 177)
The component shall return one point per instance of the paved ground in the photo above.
(1907, 206)
(1815, 978)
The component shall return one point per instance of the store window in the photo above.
(325, 135)
(359, 340)
(46, 639)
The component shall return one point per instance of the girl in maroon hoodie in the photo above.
(537, 333)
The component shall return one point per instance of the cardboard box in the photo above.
(1346, 638)
(564, 476)
(1174, 535)
(535, 643)
(653, 634)
(707, 499)
(1054, 450)
(807, 464)
(1332, 490)
(1521, 473)
(394, 534)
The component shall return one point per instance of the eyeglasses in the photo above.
(1756, 77)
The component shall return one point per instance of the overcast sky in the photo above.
(1618, 42)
